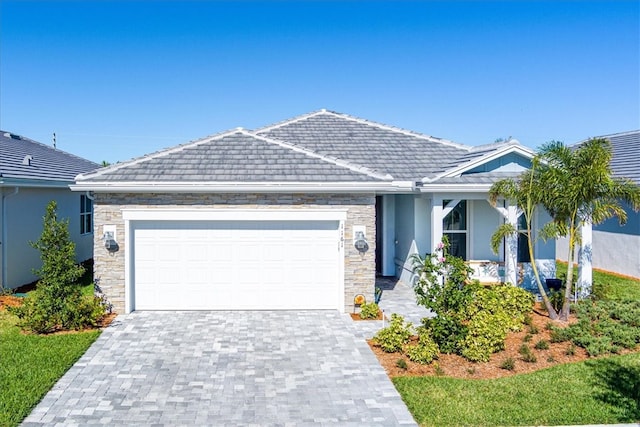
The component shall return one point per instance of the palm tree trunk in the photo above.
(553, 315)
(566, 305)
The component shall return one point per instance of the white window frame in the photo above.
(467, 255)
(86, 215)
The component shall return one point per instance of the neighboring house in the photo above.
(614, 247)
(298, 215)
(31, 175)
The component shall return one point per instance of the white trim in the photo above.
(239, 187)
(190, 214)
(457, 171)
(453, 188)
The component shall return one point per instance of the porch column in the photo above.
(437, 215)
(510, 214)
(585, 273)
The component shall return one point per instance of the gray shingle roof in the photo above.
(23, 158)
(626, 154)
(404, 155)
(233, 157)
(319, 147)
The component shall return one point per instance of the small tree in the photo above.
(527, 195)
(578, 187)
(57, 302)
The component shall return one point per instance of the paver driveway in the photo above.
(225, 368)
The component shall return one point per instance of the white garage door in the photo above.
(236, 265)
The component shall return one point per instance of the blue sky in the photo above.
(118, 79)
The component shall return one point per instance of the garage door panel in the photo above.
(236, 265)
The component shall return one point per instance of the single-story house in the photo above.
(610, 246)
(31, 175)
(301, 214)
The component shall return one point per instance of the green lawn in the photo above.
(595, 391)
(31, 364)
(608, 285)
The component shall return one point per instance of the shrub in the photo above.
(392, 338)
(542, 345)
(424, 352)
(508, 364)
(527, 354)
(447, 331)
(533, 330)
(527, 338)
(369, 310)
(571, 350)
(485, 336)
(603, 327)
(57, 302)
(401, 363)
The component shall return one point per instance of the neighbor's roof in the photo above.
(24, 159)
(316, 148)
(626, 154)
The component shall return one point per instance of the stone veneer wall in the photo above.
(359, 270)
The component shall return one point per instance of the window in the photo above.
(455, 228)
(523, 241)
(86, 215)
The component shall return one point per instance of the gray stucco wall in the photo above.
(23, 215)
(359, 270)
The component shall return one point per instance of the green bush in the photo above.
(401, 363)
(57, 303)
(527, 354)
(392, 338)
(603, 327)
(369, 310)
(447, 331)
(424, 352)
(486, 335)
(508, 364)
(542, 345)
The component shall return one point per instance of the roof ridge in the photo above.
(33, 141)
(159, 153)
(336, 161)
(629, 132)
(288, 121)
(366, 122)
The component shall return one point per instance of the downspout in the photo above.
(3, 231)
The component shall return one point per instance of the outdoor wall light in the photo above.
(360, 239)
(109, 238)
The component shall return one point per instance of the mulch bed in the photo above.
(452, 365)
(356, 316)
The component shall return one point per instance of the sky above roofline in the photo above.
(118, 79)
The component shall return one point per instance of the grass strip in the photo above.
(596, 391)
(31, 364)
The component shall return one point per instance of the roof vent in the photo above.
(27, 160)
(12, 135)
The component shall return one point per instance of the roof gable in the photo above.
(25, 159)
(492, 160)
(235, 156)
(403, 154)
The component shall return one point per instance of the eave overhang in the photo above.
(242, 187)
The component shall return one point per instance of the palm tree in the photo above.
(577, 187)
(527, 195)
